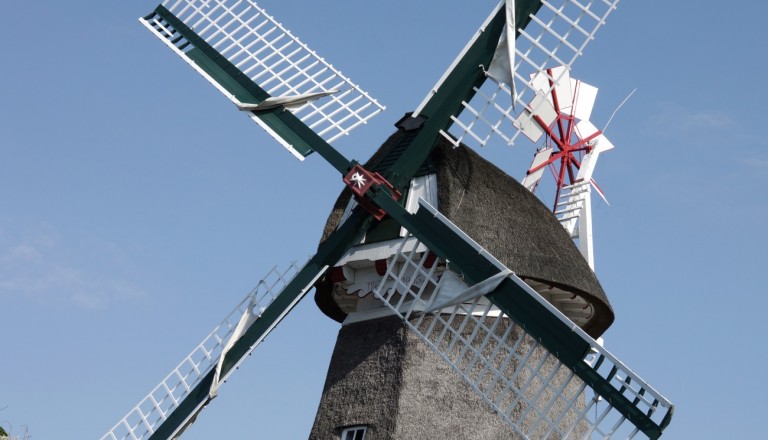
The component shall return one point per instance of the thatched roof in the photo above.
(503, 217)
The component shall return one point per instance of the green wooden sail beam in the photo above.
(458, 85)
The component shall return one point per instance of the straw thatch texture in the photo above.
(384, 377)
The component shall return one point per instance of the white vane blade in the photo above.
(257, 48)
(584, 96)
(557, 86)
(541, 108)
(531, 180)
(588, 164)
(587, 130)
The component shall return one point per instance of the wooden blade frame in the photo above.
(252, 59)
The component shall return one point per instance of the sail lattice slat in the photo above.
(155, 408)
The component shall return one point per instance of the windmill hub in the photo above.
(358, 180)
(566, 161)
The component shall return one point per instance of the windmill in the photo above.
(520, 344)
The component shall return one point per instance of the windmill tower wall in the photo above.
(384, 377)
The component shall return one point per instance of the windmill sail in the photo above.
(178, 399)
(263, 68)
(538, 370)
(158, 408)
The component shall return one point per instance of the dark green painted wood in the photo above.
(618, 400)
(281, 121)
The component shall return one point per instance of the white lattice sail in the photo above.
(539, 396)
(144, 419)
(262, 68)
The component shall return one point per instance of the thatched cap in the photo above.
(503, 217)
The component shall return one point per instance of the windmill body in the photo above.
(381, 375)
(467, 310)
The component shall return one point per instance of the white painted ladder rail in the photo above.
(573, 199)
(142, 421)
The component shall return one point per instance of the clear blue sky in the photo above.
(138, 207)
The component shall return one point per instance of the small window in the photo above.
(353, 433)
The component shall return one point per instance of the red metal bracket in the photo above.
(360, 180)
